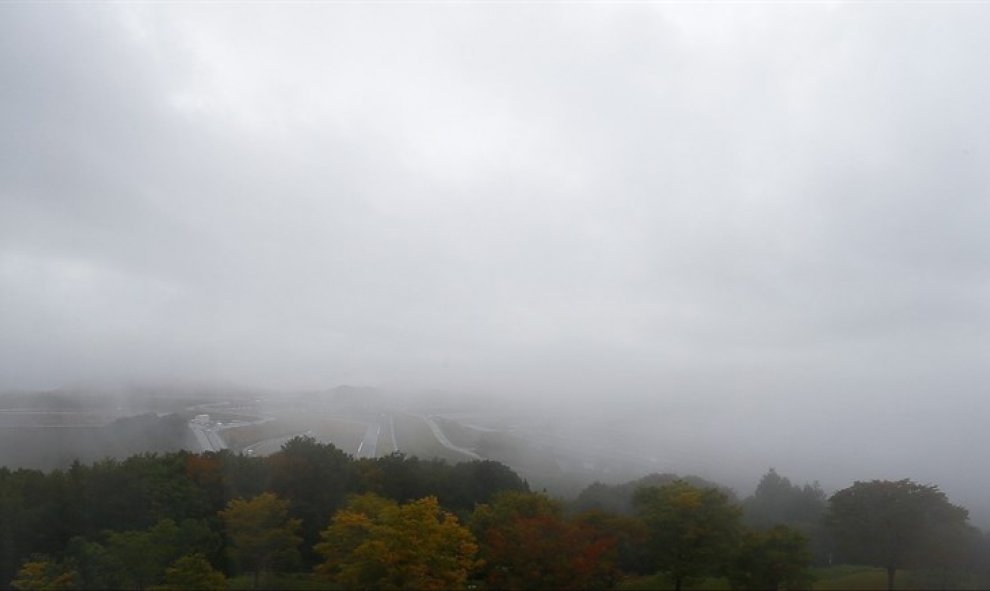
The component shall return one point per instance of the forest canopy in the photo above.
(185, 520)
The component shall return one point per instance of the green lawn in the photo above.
(840, 577)
(661, 582)
(345, 434)
(854, 577)
(280, 582)
(865, 577)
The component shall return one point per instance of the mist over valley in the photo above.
(553, 244)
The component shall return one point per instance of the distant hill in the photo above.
(50, 447)
(356, 395)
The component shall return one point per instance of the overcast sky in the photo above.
(764, 227)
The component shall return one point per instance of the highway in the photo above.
(369, 445)
(438, 433)
(207, 437)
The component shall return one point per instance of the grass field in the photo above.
(415, 438)
(343, 433)
(664, 583)
(459, 434)
(840, 577)
(836, 577)
(864, 577)
(855, 577)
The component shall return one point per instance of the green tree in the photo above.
(507, 506)
(693, 530)
(139, 560)
(140, 557)
(776, 558)
(778, 502)
(315, 478)
(192, 573)
(375, 543)
(97, 567)
(477, 482)
(262, 536)
(618, 498)
(894, 524)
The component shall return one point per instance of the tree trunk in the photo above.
(890, 577)
(256, 578)
(677, 582)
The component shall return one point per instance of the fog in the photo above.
(741, 235)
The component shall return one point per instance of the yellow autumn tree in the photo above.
(43, 573)
(262, 536)
(375, 543)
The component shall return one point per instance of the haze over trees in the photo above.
(544, 244)
(619, 498)
(720, 217)
(778, 502)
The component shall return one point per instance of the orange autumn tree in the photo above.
(527, 544)
(375, 543)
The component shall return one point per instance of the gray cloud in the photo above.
(760, 224)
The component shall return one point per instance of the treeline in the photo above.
(50, 514)
(190, 521)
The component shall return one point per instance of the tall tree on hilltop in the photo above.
(894, 524)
